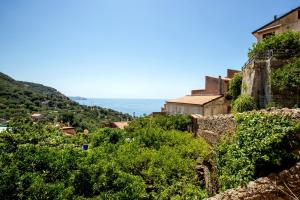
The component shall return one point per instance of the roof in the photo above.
(222, 78)
(278, 18)
(195, 100)
(67, 127)
(120, 125)
(36, 115)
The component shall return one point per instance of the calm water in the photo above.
(130, 106)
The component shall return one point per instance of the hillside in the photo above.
(19, 98)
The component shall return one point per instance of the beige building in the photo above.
(206, 102)
(68, 130)
(288, 21)
(203, 105)
(120, 125)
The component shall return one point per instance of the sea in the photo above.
(134, 107)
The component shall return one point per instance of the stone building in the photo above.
(257, 70)
(206, 102)
(288, 21)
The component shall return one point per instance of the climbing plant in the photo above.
(243, 103)
(284, 42)
(262, 143)
(235, 85)
(287, 78)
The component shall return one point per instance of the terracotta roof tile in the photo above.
(196, 100)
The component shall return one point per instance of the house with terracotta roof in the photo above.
(37, 116)
(68, 130)
(120, 125)
(206, 102)
(279, 24)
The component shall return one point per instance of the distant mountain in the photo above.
(19, 98)
(78, 98)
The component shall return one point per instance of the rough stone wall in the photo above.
(282, 186)
(274, 187)
(211, 128)
(256, 79)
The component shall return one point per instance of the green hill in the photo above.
(19, 99)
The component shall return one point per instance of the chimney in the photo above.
(275, 17)
(220, 86)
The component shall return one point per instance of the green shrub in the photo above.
(287, 40)
(39, 162)
(287, 78)
(235, 85)
(171, 122)
(273, 104)
(244, 103)
(262, 144)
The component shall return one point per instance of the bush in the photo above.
(244, 103)
(287, 40)
(171, 122)
(287, 78)
(262, 144)
(235, 85)
(39, 162)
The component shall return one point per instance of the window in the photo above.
(268, 35)
(298, 14)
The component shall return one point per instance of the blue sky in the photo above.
(128, 49)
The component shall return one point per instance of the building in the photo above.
(37, 116)
(257, 70)
(288, 21)
(206, 102)
(203, 105)
(120, 125)
(68, 130)
(3, 128)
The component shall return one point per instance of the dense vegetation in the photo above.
(170, 122)
(262, 143)
(287, 78)
(243, 103)
(235, 85)
(19, 99)
(144, 162)
(286, 44)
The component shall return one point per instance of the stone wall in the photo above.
(274, 187)
(211, 128)
(256, 79)
(282, 186)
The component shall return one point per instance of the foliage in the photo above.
(171, 122)
(235, 85)
(38, 162)
(287, 78)
(273, 104)
(289, 40)
(244, 103)
(19, 98)
(263, 143)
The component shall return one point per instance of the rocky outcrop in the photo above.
(282, 186)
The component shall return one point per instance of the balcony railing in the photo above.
(282, 53)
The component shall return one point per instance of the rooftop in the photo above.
(120, 125)
(67, 127)
(276, 19)
(196, 100)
